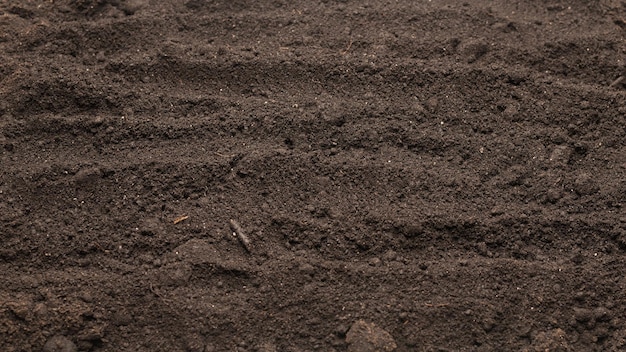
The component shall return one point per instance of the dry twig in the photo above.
(238, 232)
(181, 218)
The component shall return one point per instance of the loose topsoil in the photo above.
(437, 175)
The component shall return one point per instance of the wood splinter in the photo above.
(238, 232)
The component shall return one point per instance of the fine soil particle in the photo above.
(453, 171)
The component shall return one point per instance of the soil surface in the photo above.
(410, 175)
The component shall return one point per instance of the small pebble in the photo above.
(497, 210)
(341, 330)
(561, 154)
(307, 268)
(100, 56)
(432, 104)
(86, 296)
(151, 227)
(390, 255)
(375, 261)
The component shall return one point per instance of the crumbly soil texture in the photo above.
(415, 175)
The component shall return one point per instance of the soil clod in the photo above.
(59, 343)
(367, 337)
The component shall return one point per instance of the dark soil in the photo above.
(454, 173)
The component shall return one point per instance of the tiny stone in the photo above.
(41, 310)
(481, 247)
(488, 325)
(553, 195)
(561, 154)
(418, 108)
(100, 57)
(432, 104)
(497, 210)
(374, 261)
(307, 268)
(88, 176)
(510, 110)
(150, 227)
(412, 230)
(98, 120)
(505, 27)
(341, 330)
(86, 297)
(390, 255)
